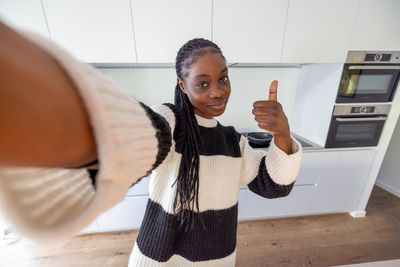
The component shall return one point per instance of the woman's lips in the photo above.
(218, 105)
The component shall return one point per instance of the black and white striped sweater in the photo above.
(226, 161)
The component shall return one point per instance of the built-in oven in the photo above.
(357, 125)
(369, 77)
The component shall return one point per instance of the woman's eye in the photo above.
(224, 79)
(201, 84)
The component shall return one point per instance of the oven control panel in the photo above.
(376, 57)
(373, 57)
(362, 109)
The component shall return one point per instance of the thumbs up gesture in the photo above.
(270, 117)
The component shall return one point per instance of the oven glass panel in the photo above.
(373, 84)
(367, 84)
(355, 131)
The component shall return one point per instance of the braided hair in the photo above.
(187, 193)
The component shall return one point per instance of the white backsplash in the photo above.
(157, 85)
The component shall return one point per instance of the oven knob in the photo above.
(363, 109)
(378, 57)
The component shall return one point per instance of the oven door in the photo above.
(368, 83)
(354, 131)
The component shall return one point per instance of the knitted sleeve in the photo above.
(174, 118)
(270, 173)
(164, 138)
(52, 204)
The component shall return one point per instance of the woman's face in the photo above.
(207, 85)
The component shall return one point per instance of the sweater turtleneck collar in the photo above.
(206, 122)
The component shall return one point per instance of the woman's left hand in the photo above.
(270, 117)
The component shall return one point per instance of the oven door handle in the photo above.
(361, 119)
(374, 67)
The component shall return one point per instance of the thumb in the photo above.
(273, 91)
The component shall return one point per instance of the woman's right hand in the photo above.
(42, 119)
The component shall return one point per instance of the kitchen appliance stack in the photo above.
(367, 86)
(346, 105)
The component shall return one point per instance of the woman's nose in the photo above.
(216, 92)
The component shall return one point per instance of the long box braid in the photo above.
(188, 175)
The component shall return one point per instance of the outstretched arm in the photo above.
(43, 121)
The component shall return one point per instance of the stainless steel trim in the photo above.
(357, 57)
(374, 67)
(305, 185)
(361, 119)
(375, 104)
(345, 109)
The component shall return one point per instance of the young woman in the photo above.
(196, 164)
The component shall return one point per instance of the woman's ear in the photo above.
(181, 85)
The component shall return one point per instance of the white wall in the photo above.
(389, 173)
(156, 85)
(26, 15)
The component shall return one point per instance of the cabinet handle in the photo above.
(362, 119)
(374, 67)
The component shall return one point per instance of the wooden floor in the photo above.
(323, 240)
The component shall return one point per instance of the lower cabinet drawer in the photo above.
(298, 202)
(127, 215)
(309, 169)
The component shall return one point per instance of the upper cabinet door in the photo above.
(378, 26)
(250, 31)
(162, 27)
(319, 31)
(24, 14)
(93, 30)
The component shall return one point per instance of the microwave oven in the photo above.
(369, 77)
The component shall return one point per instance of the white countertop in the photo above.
(313, 147)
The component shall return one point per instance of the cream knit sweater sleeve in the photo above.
(281, 167)
(52, 204)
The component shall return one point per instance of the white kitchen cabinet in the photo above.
(242, 203)
(250, 31)
(24, 14)
(342, 179)
(127, 215)
(377, 26)
(328, 182)
(92, 30)
(252, 206)
(298, 202)
(309, 168)
(162, 27)
(319, 30)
